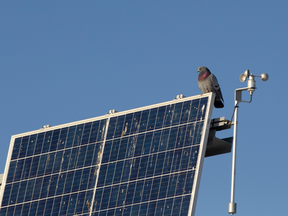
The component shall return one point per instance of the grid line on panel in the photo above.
(181, 205)
(62, 138)
(176, 203)
(47, 141)
(31, 145)
(78, 135)
(54, 140)
(23, 146)
(39, 143)
(86, 133)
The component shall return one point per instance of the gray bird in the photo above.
(207, 82)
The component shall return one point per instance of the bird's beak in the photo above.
(197, 71)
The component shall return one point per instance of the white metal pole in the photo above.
(232, 205)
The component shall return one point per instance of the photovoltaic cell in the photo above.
(145, 161)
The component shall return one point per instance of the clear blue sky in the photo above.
(63, 61)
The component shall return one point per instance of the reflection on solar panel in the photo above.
(145, 161)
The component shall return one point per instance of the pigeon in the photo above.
(207, 82)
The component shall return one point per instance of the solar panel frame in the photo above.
(80, 129)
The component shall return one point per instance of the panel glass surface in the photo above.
(53, 172)
(144, 164)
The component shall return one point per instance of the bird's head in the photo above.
(203, 69)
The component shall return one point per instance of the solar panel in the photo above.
(145, 161)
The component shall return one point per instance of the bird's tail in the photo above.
(218, 103)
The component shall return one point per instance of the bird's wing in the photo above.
(216, 86)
